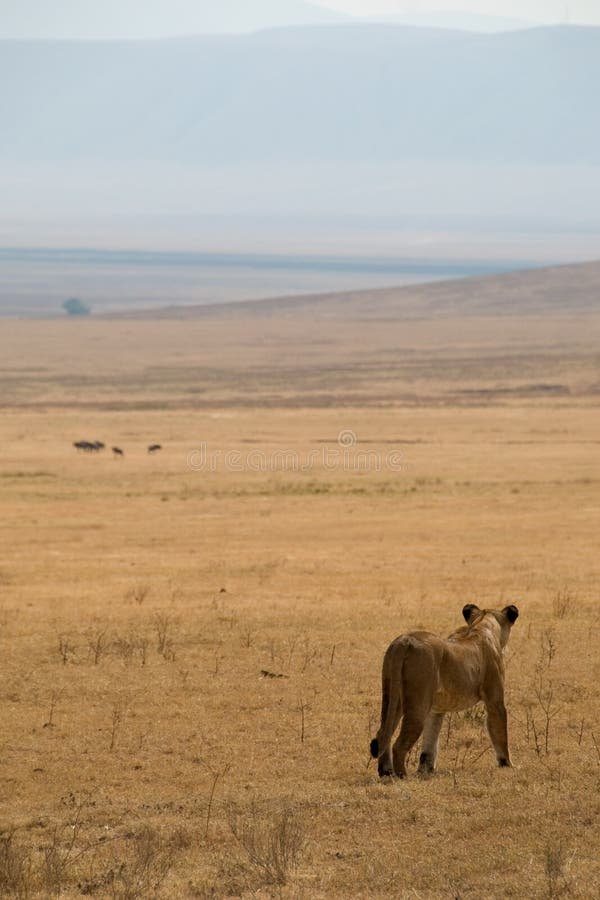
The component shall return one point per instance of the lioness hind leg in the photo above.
(385, 702)
(418, 678)
(429, 748)
(383, 741)
(498, 731)
(410, 732)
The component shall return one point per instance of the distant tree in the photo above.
(75, 307)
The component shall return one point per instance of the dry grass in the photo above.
(149, 747)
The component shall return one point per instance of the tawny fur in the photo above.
(425, 676)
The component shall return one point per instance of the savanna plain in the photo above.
(191, 640)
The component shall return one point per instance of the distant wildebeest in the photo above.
(89, 446)
(153, 448)
(117, 452)
(425, 676)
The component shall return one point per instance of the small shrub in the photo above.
(555, 860)
(16, 865)
(61, 852)
(116, 719)
(97, 644)
(547, 650)
(138, 593)
(273, 842)
(148, 861)
(164, 644)
(562, 603)
(65, 648)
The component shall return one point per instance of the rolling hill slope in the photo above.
(534, 292)
(520, 338)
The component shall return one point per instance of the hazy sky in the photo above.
(539, 10)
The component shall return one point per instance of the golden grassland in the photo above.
(191, 656)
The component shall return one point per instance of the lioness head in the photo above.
(505, 618)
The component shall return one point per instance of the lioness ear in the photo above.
(469, 610)
(512, 613)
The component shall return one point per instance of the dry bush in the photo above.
(148, 859)
(541, 704)
(131, 646)
(248, 636)
(125, 869)
(65, 648)
(46, 869)
(54, 698)
(547, 650)
(556, 869)
(97, 644)
(273, 840)
(60, 853)
(562, 603)
(115, 724)
(163, 624)
(16, 867)
(138, 593)
(549, 709)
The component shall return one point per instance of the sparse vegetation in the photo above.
(273, 839)
(138, 593)
(555, 858)
(16, 866)
(563, 602)
(208, 668)
(71, 861)
(97, 644)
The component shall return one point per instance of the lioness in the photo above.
(425, 676)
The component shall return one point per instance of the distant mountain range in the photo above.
(402, 127)
(154, 19)
(151, 19)
(460, 21)
(354, 94)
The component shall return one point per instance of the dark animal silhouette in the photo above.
(89, 446)
(117, 452)
(153, 448)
